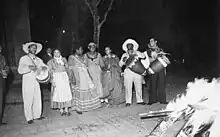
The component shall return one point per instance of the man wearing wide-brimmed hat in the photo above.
(28, 66)
(130, 46)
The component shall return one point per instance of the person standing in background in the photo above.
(46, 58)
(112, 79)
(48, 55)
(4, 69)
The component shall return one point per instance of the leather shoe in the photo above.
(63, 114)
(79, 112)
(69, 114)
(30, 121)
(41, 118)
(141, 103)
(150, 103)
(128, 105)
(164, 102)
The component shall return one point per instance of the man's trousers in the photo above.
(2, 95)
(157, 87)
(129, 78)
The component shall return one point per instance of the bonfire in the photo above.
(199, 107)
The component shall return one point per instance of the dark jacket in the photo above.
(47, 58)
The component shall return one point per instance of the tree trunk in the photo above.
(98, 37)
(97, 24)
(96, 31)
(96, 34)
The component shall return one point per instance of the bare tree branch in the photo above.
(98, 2)
(106, 13)
(89, 5)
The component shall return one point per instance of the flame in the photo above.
(196, 93)
(204, 97)
(214, 130)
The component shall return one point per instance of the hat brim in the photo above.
(130, 41)
(27, 45)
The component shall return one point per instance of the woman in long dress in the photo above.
(61, 92)
(95, 65)
(112, 80)
(85, 96)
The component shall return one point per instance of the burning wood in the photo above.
(153, 114)
(200, 107)
(166, 123)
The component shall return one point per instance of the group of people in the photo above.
(85, 81)
(156, 80)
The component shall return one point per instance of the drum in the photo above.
(43, 76)
(136, 66)
(156, 66)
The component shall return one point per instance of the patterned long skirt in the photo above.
(85, 99)
(113, 84)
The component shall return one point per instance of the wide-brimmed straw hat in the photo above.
(27, 45)
(130, 41)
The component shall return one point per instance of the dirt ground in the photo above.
(104, 122)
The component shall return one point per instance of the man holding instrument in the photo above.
(28, 67)
(130, 46)
(157, 80)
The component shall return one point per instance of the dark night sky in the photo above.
(190, 24)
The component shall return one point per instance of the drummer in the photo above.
(157, 80)
(130, 46)
(28, 67)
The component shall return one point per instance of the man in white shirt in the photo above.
(29, 64)
(130, 46)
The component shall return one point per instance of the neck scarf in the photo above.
(32, 56)
(59, 60)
